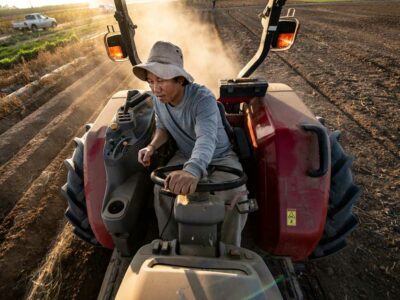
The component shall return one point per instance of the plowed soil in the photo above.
(344, 66)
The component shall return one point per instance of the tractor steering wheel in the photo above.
(158, 177)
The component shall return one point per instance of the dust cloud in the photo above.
(205, 57)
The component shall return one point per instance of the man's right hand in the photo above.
(144, 155)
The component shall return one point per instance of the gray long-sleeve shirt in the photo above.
(200, 136)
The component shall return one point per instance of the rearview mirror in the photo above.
(115, 47)
(285, 35)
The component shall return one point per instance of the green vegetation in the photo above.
(9, 56)
(21, 37)
(26, 46)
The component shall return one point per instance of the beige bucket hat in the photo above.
(165, 61)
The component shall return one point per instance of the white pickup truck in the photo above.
(34, 22)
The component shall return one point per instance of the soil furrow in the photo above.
(370, 120)
(355, 8)
(47, 90)
(18, 135)
(382, 66)
(324, 32)
(19, 172)
(382, 54)
(44, 205)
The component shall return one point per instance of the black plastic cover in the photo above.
(242, 87)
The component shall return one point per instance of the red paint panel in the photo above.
(95, 184)
(94, 168)
(284, 154)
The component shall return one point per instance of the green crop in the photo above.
(9, 56)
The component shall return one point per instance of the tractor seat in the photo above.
(237, 136)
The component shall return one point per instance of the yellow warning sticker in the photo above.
(291, 217)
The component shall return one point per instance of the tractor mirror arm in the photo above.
(269, 20)
(127, 29)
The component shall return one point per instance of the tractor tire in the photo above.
(73, 192)
(340, 221)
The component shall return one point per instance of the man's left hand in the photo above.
(181, 182)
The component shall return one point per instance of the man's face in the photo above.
(167, 90)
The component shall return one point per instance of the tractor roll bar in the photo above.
(269, 20)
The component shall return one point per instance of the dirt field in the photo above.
(344, 65)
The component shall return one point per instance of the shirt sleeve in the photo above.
(159, 122)
(206, 128)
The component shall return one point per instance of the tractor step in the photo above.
(283, 270)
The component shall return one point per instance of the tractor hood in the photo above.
(158, 272)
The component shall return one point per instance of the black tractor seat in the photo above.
(237, 136)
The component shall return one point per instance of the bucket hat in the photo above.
(165, 61)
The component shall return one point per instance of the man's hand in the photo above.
(181, 182)
(144, 155)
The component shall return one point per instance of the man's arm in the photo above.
(206, 129)
(206, 126)
(160, 137)
(185, 181)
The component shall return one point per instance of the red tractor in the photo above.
(301, 189)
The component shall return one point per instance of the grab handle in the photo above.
(323, 145)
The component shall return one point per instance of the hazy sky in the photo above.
(34, 3)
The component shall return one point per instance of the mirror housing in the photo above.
(115, 47)
(285, 35)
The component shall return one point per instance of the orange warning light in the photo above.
(285, 40)
(116, 52)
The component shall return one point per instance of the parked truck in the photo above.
(34, 22)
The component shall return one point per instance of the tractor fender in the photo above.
(94, 169)
(293, 202)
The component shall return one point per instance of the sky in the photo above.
(36, 3)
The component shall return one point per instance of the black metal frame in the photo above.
(127, 30)
(269, 20)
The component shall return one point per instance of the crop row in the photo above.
(10, 56)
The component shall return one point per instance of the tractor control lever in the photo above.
(133, 98)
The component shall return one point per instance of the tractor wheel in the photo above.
(343, 194)
(73, 192)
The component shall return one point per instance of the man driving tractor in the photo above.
(188, 112)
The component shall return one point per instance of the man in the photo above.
(188, 113)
